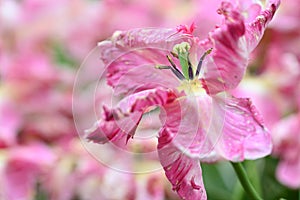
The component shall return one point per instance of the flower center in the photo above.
(189, 75)
(188, 72)
(192, 87)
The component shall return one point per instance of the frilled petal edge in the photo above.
(119, 124)
(244, 135)
(227, 63)
(232, 42)
(256, 28)
(183, 172)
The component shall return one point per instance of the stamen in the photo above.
(201, 60)
(177, 73)
(171, 61)
(190, 69)
(162, 67)
(174, 69)
(191, 74)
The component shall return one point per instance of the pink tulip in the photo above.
(199, 123)
(23, 169)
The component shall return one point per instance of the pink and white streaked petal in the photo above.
(149, 37)
(135, 71)
(232, 43)
(229, 58)
(125, 41)
(183, 172)
(256, 28)
(244, 134)
(137, 48)
(119, 124)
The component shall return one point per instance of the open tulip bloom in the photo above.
(189, 79)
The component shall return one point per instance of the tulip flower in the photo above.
(190, 80)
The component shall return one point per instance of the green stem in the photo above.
(238, 191)
(243, 177)
(251, 167)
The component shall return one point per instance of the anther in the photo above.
(201, 61)
(162, 67)
(175, 55)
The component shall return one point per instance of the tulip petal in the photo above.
(135, 53)
(188, 120)
(232, 43)
(183, 172)
(244, 135)
(119, 124)
(229, 56)
(256, 28)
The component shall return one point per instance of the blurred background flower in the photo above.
(42, 46)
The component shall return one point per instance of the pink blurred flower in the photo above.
(31, 81)
(199, 123)
(288, 16)
(78, 174)
(10, 123)
(286, 137)
(23, 169)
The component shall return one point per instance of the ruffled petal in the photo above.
(183, 172)
(119, 124)
(232, 43)
(243, 135)
(135, 53)
(226, 65)
(256, 28)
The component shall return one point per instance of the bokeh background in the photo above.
(42, 46)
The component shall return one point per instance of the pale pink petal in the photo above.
(229, 57)
(135, 53)
(119, 124)
(138, 75)
(183, 172)
(187, 120)
(244, 135)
